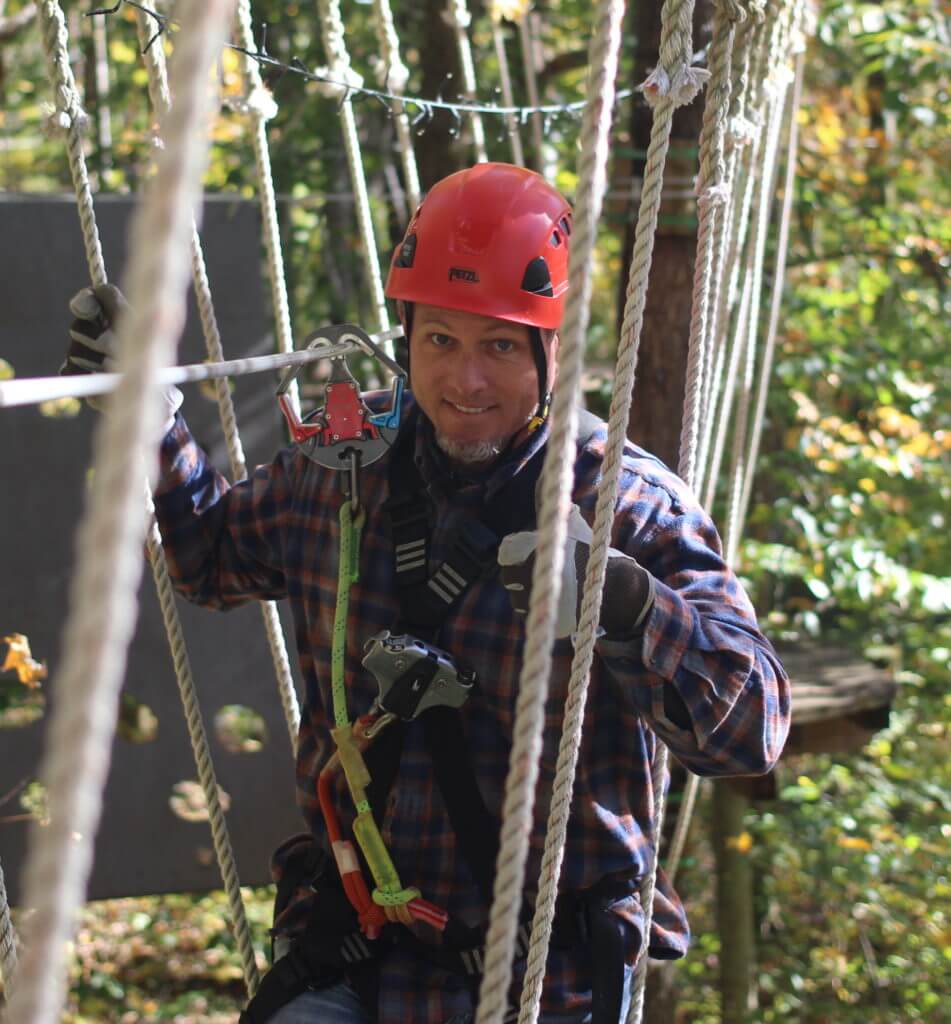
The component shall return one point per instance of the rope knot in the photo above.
(742, 131)
(393, 76)
(736, 10)
(714, 195)
(681, 87)
(341, 79)
(457, 15)
(261, 103)
(58, 121)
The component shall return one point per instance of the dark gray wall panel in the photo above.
(142, 847)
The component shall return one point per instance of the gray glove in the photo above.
(628, 587)
(93, 341)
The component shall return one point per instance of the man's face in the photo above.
(475, 378)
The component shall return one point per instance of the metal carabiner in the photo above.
(329, 435)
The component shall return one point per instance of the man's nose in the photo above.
(469, 373)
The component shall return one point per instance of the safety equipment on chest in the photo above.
(344, 434)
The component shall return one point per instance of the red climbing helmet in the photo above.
(492, 239)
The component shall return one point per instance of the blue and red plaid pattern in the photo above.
(701, 676)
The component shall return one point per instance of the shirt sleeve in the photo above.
(701, 672)
(223, 542)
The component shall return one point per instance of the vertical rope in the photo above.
(556, 484)
(738, 136)
(508, 95)
(458, 17)
(261, 106)
(713, 194)
(161, 103)
(393, 76)
(665, 99)
(109, 544)
(71, 118)
(779, 274)
(340, 70)
(777, 81)
(8, 940)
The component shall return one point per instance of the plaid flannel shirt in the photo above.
(701, 676)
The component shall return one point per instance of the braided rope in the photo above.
(261, 106)
(8, 940)
(632, 323)
(161, 103)
(555, 487)
(458, 17)
(740, 467)
(736, 141)
(332, 31)
(782, 242)
(393, 76)
(746, 179)
(508, 95)
(103, 592)
(741, 473)
(676, 50)
(203, 761)
(71, 118)
(713, 194)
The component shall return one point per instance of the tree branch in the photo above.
(10, 26)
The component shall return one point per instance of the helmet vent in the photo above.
(555, 238)
(407, 253)
(537, 279)
(565, 225)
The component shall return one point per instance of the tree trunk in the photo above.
(734, 901)
(659, 390)
(662, 363)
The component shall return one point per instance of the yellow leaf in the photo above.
(6, 370)
(19, 659)
(906, 266)
(511, 10)
(853, 843)
(121, 52)
(868, 485)
(742, 843)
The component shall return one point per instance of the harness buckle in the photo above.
(414, 676)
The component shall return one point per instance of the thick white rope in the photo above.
(741, 473)
(8, 940)
(457, 16)
(782, 242)
(555, 487)
(198, 737)
(633, 319)
(735, 140)
(103, 598)
(746, 177)
(713, 195)
(70, 118)
(260, 104)
(332, 31)
(740, 468)
(393, 77)
(161, 102)
(508, 94)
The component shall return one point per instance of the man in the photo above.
(480, 280)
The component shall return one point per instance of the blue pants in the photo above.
(339, 1004)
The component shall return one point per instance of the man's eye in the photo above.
(503, 345)
(439, 339)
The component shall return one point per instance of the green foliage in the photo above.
(848, 535)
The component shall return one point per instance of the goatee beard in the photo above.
(469, 453)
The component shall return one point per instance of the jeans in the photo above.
(339, 1004)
